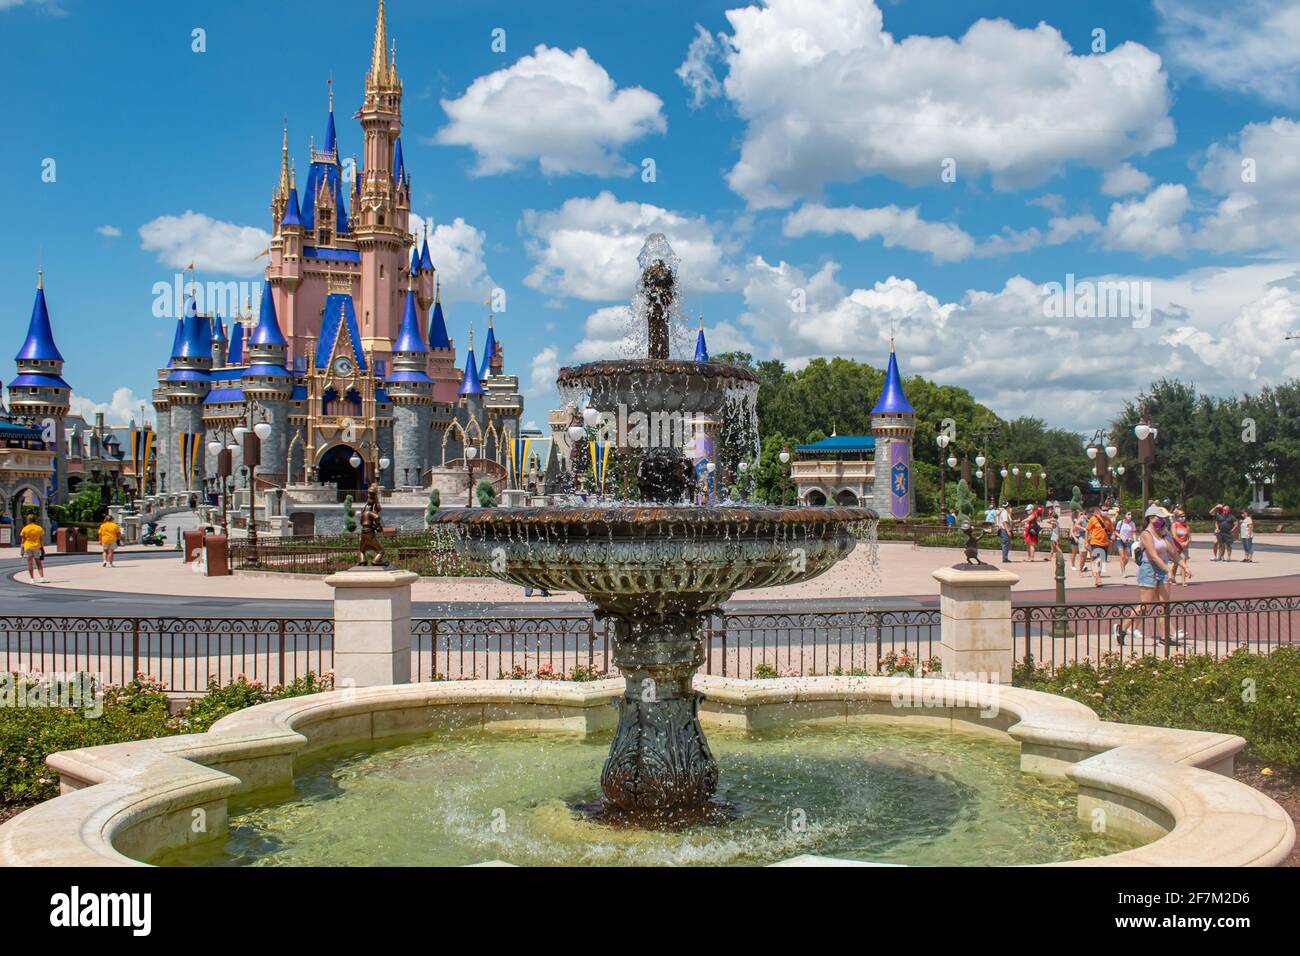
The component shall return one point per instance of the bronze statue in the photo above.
(973, 536)
(370, 551)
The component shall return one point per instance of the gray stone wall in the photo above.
(412, 443)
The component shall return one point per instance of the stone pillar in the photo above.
(372, 626)
(975, 606)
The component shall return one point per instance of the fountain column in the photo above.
(659, 763)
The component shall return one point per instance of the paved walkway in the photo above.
(154, 581)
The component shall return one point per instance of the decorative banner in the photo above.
(519, 461)
(195, 441)
(184, 438)
(148, 458)
(702, 476)
(900, 479)
(600, 463)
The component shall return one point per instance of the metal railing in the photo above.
(1057, 634)
(182, 653)
(427, 553)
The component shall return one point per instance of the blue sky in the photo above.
(799, 149)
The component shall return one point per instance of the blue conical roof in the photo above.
(399, 162)
(218, 329)
(292, 212)
(331, 138)
(196, 340)
(425, 261)
(438, 337)
(892, 400)
(40, 337)
(701, 347)
(489, 350)
(415, 261)
(177, 341)
(235, 354)
(268, 326)
(470, 384)
(409, 337)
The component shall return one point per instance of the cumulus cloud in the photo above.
(561, 110)
(697, 71)
(1211, 326)
(1152, 225)
(212, 245)
(1249, 45)
(943, 242)
(111, 232)
(1256, 176)
(456, 250)
(828, 95)
(1124, 179)
(121, 409)
(587, 248)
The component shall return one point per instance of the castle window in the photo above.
(324, 232)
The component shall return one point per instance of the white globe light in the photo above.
(712, 467)
(1120, 470)
(979, 473)
(576, 432)
(384, 463)
(1003, 472)
(232, 448)
(1015, 471)
(214, 448)
(942, 441)
(1111, 451)
(1092, 451)
(744, 466)
(240, 431)
(471, 452)
(952, 461)
(591, 417)
(979, 461)
(355, 460)
(262, 430)
(1042, 475)
(784, 456)
(1142, 432)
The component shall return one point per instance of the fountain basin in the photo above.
(657, 385)
(124, 803)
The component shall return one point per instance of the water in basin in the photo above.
(871, 792)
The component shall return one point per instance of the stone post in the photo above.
(975, 609)
(372, 626)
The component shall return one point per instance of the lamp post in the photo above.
(224, 455)
(1101, 451)
(942, 442)
(785, 472)
(470, 454)
(1146, 432)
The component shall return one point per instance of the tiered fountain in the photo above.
(657, 567)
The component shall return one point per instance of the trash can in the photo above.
(65, 539)
(80, 540)
(191, 542)
(218, 555)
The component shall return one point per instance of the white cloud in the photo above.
(588, 247)
(1124, 179)
(828, 95)
(121, 409)
(559, 109)
(111, 232)
(606, 333)
(1257, 177)
(46, 6)
(1152, 225)
(212, 245)
(944, 242)
(697, 70)
(1217, 327)
(1248, 45)
(456, 250)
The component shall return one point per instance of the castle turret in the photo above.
(701, 347)
(188, 382)
(267, 382)
(411, 390)
(38, 391)
(893, 423)
(220, 345)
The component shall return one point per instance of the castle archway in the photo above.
(336, 467)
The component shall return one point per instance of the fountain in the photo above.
(657, 568)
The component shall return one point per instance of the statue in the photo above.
(973, 536)
(370, 551)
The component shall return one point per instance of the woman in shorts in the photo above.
(32, 537)
(1157, 558)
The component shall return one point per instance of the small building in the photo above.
(839, 470)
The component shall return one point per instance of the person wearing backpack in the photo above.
(1099, 530)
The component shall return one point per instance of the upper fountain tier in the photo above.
(657, 383)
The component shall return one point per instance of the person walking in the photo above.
(1181, 532)
(110, 534)
(32, 536)
(1125, 531)
(1031, 529)
(1078, 543)
(1247, 537)
(1099, 529)
(1054, 532)
(1004, 532)
(1156, 555)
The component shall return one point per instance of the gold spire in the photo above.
(283, 189)
(330, 84)
(377, 67)
(471, 333)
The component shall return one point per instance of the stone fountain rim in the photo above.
(603, 368)
(635, 517)
(154, 785)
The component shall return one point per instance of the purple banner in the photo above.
(900, 479)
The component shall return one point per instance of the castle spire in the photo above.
(378, 69)
(268, 326)
(438, 337)
(409, 337)
(425, 261)
(39, 344)
(284, 164)
(893, 401)
(701, 347)
(470, 384)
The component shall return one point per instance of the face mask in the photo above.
(1158, 524)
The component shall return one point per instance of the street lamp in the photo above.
(1146, 432)
(591, 416)
(785, 472)
(942, 441)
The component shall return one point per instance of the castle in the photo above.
(356, 377)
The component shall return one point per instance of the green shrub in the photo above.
(349, 516)
(1255, 696)
(486, 494)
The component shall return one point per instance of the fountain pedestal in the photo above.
(659, 763)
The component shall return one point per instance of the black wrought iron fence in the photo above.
(1052, 635)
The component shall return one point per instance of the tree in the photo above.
(431, 509)
(349, 516)
(963, 502)
(486, 493)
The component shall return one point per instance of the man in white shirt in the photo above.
(1004, 532)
